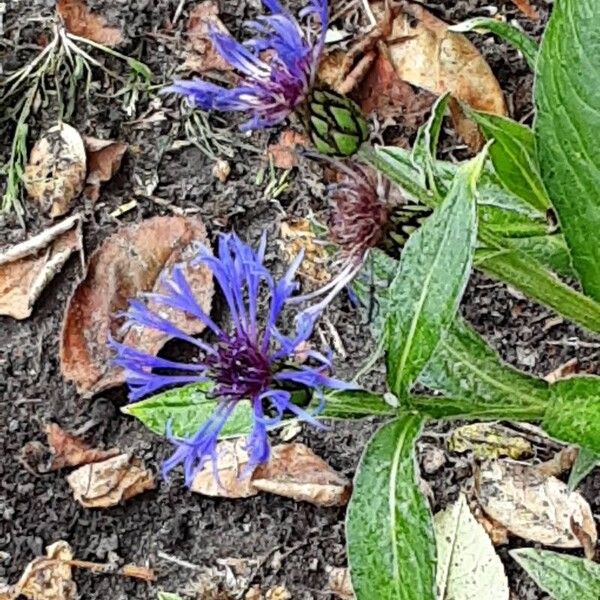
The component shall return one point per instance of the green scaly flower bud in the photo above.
(335, 123)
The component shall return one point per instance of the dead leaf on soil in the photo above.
(532, 506)
(79, 20)
(55, 173)
(339, 583)
(527, 9)
(297, 236)
(279, 592)
(129, 262)
(26, 269)
(104, 159)
(49, 577)
(382, 92)
(568, 369)
(284, 154)
(201, 55)
(467, 564)
(69, 451)
(111, 481)
(296, 472)
(489, 440)
(233, 481)
(425, 54)
(496, 531)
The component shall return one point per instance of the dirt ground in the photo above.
(178, 533)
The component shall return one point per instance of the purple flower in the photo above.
(278, 67)
(249, 362)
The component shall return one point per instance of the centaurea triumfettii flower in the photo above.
(278, 67)
(250, 362)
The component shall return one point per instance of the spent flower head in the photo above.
(252, 361)
(278, 67)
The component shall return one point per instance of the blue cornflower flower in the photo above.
(273, 84)
(249, 363)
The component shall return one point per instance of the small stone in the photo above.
(221, 170)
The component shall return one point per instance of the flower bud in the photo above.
(336, 124)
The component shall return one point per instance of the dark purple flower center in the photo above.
(240, 369)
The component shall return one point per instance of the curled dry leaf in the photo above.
(233, 480)
(489, 440)
(26, 269)
(296, 472)
(297, 236)
(382, 92)
(534, 507)
(79, 20)
(104, 484)
(104, 159)
(49, 577)
(425, 54)
(201, 55)
(128, 263)
(283, 153)
(568, 369)
(339, 583)
(69, 451)
(55, 173)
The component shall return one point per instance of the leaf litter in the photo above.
(532, 506)
(104, 159)
(489, 440)
(80, 21)
(128, 263)
(28, 267)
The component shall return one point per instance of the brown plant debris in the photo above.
(296, 472)
(55, 173)
(525, 7)
(70, 451)
(79, 20)
(339, 583)
(201, 55)
(26, 269)
(104, 159)
(104, 484)
(532, 506)
(284, 154)
(128, 263)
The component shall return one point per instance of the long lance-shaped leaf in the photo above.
(567, 128)
(389, 530)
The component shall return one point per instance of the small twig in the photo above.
(178, 561)
(178, 11)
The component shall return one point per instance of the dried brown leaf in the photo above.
(233, 481)
(129, 262)
(70, 451)
(55, 173)
(295, 471)
(26, 269)
(339, 583)
(284, 154)
(297, 236)
(527, 9)
(79, 20)
(382, 92)
(104, 484)
(201, 54)
(532, 506)
(568, 369)
(49, 577)
(425, 54)
(104, 159)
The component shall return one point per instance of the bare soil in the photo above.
(293, 543)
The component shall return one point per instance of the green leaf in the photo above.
(573, 414)
(468, 566)
(433, 272)
(586, 461)
(562, 576)
(354, 405)
(389, 533)
(513, 155)
(464, 366)
(520, 40)
(187, 408)
(531, 277)
(567, 129)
